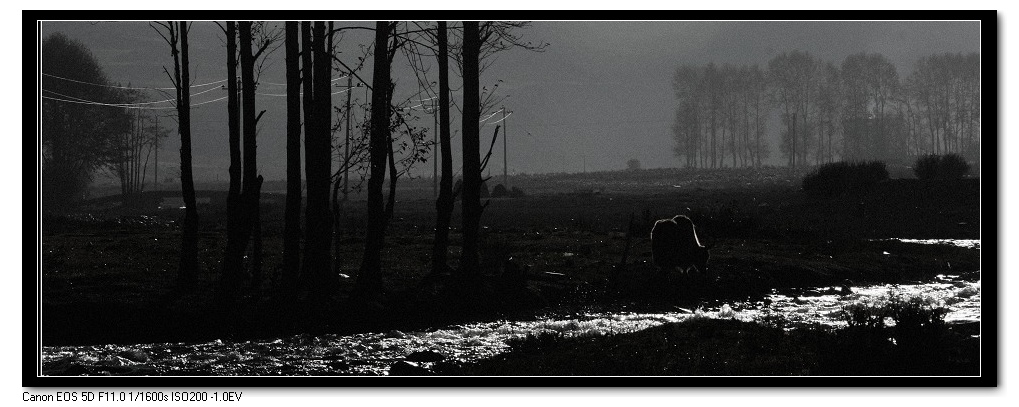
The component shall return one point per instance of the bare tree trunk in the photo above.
(469, 260)
(308, 99)
(714, 142)
(235, 224)
(369, 280)
(251, 179)
(189, 243)
(292, 218)
(318, 155)
(444, 205)
(233, 258)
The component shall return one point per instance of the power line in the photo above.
(170, 88)
(283, 84)
(504, 118)
(488, 117)
(127, 104)
(83, 102)
(126, 87)
(137, 104)
(86, 102)
(300, 94)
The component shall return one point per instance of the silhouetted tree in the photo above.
(713, 88)
(252, 182)
(871, 86)
(233, 257)
(731, 87)
(292, 222)
(829, 109)
(793, 88)
(944, 105)
(480, 41)
(255, 40)
(177, 33)
(308, 101)
(687, 84)
(758, 87)
(471, 202)
(132, 148)
(445, 201)
(369, 280)
(412, 149)
(77, 137)
(318, 157)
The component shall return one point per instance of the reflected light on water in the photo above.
(373, 353)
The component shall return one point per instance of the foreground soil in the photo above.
(109, 273)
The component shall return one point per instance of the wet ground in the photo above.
(375, 353)
(778, 254)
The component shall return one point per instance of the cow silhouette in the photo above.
(674, 245)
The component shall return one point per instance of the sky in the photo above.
(598, 95)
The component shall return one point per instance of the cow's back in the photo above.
(674, 243)
(686, 233)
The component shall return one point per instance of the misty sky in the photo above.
(600, 94)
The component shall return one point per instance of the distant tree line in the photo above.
(860, 110)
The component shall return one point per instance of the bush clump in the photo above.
(840, 177)
(916, 321)
(499, 191)
(899, 336)
(934, 166)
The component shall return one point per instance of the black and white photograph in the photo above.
(392, 200)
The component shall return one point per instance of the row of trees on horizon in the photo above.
(859, 110)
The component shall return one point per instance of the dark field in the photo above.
(108, 273)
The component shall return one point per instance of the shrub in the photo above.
(633, 164)
(953, 166)
(926, 166)
(840, 177)
(516, 192)
(917, 320)
(863, 316)
(499, 191)
(933, 166)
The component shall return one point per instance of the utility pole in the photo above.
(505, 133)
(346, 144)
(155, 174)
(435, 151)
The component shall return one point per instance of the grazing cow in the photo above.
(674, 244)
